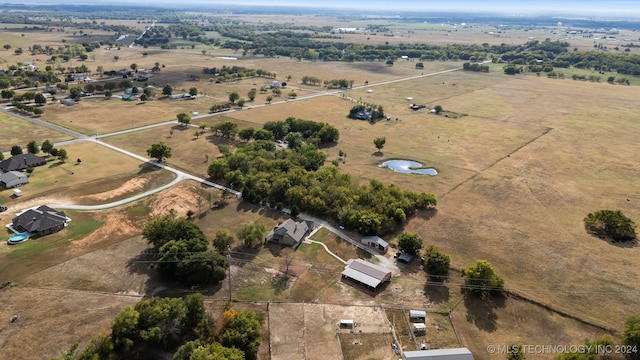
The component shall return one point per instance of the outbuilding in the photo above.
(417, 316)
(376, 242)
(13, 178)
(346, 324)
(366, 273)
(438, 354)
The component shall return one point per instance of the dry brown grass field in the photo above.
(17, 131)
(517, 175)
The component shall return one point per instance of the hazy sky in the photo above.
(518, 7)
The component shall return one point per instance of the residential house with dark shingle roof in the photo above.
(40, 221)
(21, 162)
(290, 232)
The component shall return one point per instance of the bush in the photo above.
(613, 224)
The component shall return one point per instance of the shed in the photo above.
(405, 258)
(419, 327)
(376, 242)
(348, 324)
(366, 273)
(417, 315)
(17, 192)
(439, 354)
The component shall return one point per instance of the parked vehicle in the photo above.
(3, 208)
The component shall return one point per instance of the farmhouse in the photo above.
(290, 232)
(21, 162)
(376, 242)
(366, 273)
(13, 178)
(439, 354)
(40, 221)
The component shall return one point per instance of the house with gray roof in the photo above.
(40, 221)
(438, 354)
(366, 273)
(22, 162)
(13, 178)
(290, 232)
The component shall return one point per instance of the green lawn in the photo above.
(82, 224)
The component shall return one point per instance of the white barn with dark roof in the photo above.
(366, 273)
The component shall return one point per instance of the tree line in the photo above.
(174, 326)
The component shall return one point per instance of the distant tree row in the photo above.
(475, 67)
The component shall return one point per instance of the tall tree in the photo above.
(40, 99)
(233, 96)
(252, 234)
(631, 335)
(193, 91)
(222, 241)
(410, 243)
(16, 150)
(481, 279)
(252, 94)
(436, 263)
(62, 155)
(379, 142)
(159, 151)
(32, 147)
(167, 89)
(184, 118)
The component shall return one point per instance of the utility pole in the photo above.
(229, 263)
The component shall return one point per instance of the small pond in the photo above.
(408, 167)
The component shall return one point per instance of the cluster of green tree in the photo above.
(512, 69)
(610, 223)
(29, 109)
(296, 177)
(481, 279)
(226, 129)
(530, 53)
(621, 81)
(310, 80)
(18, 76)
(310, 131)
(220, 107)
(178, 326)
(592, 78)
(475, 67)
(376, 112)
(626, 64)
(182, 251)
(229, 73)
(338, 84)
(158, 35)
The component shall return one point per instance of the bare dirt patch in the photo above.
(131, 185)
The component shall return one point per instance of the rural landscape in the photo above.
(273, 183)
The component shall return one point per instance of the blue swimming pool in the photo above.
(408, 167)
(18, 238)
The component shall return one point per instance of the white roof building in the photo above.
(439, 354)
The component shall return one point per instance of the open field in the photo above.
(101, 170)
(517, 174)
(17, 131)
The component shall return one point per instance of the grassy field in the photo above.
(60, 181)
(17, 131)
